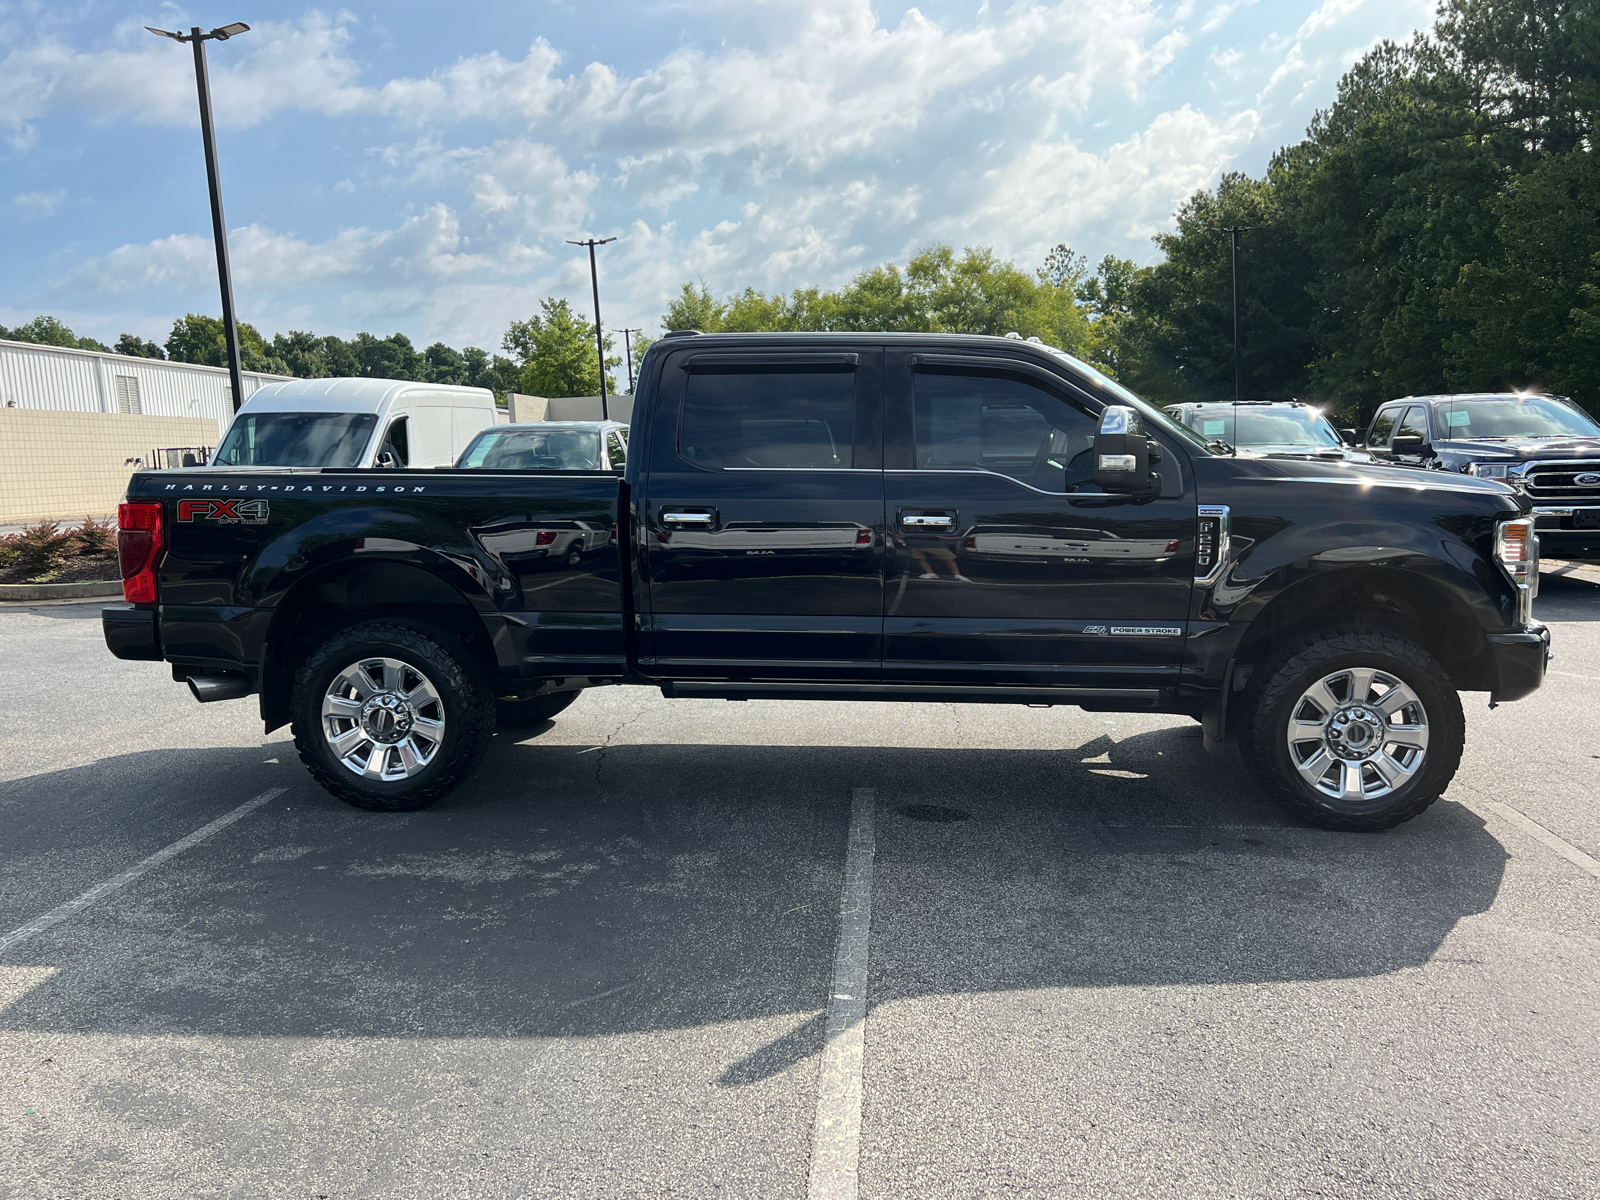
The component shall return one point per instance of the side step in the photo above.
(1108, 699)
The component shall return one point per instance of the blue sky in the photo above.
(417, 167)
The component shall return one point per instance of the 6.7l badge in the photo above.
(223, 512)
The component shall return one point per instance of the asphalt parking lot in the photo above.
(1099, 964)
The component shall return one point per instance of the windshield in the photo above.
(1253, 426)
(1151, 414)
(534, 450)
(290, 439)
(1515, 417)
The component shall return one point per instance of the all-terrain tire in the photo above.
(463, 694)
(1278, 687)
(524, 714)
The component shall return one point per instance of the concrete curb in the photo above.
(60, 591)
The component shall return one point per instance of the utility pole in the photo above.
(1238, 356)
(627, 353)
(599, 336)
(219, 227)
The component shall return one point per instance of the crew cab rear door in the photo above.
(762, 555)
(1006, 563)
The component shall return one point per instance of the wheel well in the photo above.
(1402, 602)
(318, 607)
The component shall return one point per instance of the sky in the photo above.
(418, 168)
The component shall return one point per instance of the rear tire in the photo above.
(524, 714)
(1352, 728)
(389, 717)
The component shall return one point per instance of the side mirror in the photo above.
(387, 460)
(1122, 453)
(1408, 443)
(1352, 437)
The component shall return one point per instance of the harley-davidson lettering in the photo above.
(223, 512)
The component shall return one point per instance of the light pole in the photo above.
(627, 353)
(599, 337)
(1238, 356)
(219, 227)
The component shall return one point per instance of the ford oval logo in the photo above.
(1587, 479)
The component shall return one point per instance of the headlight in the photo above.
(1488, 470)
(1516, 549)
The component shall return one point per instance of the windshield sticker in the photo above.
(1214, 428)
(1457, 418)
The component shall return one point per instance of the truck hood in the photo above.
(1381, 475)
(1521, 449)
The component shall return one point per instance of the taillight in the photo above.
(544, 537)
(139, 550)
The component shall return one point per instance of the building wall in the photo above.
(53, 377)
(570, 408)
(69, 465)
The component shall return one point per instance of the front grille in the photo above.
(1556, 481)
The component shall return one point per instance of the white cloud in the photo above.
(35, 206)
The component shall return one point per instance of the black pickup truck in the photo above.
(853, 517)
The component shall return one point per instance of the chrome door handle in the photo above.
(695, 520)
(928, 521)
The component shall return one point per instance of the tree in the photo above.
(441, 364)
(196, 338)
(134, 346)
(49, 331)
(555, 353)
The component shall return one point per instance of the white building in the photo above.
(63, 380)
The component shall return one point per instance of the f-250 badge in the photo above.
(224, 512)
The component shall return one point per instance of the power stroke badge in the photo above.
(230, 511)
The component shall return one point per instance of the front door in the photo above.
(1007, 564)
(763, 516)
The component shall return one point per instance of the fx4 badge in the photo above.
(224, 512)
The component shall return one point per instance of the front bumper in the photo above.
(1559, 534)
(1520, 662)
(132, 633)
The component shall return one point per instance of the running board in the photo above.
(1111, 699)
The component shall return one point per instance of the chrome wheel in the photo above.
(382, 718)
(1358, 734)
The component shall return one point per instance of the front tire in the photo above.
(388, 717)
(1352, 729)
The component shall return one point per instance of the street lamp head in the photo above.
(177, 37)
(225, 32)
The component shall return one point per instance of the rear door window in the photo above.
(748, 416)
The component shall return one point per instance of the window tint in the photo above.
(1382, 427)
(783, 417)
(968, 422)
(1415, 424)
(395, 442)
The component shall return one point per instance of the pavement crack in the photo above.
(600, 751)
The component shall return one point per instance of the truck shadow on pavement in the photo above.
(569, 892)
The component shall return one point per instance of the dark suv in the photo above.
(1546, 447)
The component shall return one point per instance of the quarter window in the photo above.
(975, 421)
(779, 417)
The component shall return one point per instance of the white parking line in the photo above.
(1584, 862)
(836, 1136)
(105, 887)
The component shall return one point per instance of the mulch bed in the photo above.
(81, 568)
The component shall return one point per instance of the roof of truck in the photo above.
(360, 395)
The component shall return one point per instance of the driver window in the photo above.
(616, 452)
(1382, 427)
(395, 443)
(974, 421)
